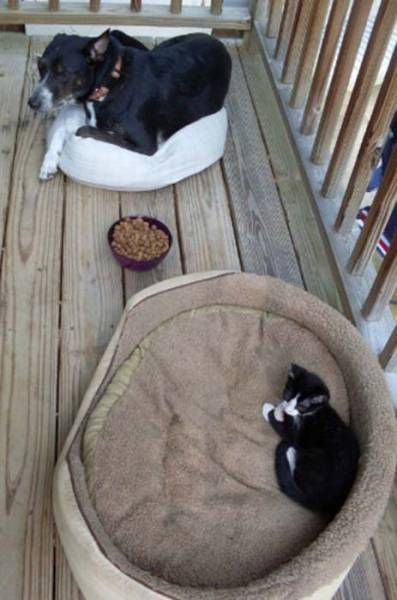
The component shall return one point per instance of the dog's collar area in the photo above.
(102, 91)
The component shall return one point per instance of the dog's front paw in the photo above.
(49, 167)
(266, 410)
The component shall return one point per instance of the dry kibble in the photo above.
(137, 239)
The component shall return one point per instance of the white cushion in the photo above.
(190, 150)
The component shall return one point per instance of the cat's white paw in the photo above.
(266, 410)
(49, 167)
(279, 411)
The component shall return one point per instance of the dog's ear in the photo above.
(96, 48)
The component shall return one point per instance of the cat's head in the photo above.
(304, 391)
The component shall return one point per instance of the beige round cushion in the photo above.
(179, 460)
(166, 485)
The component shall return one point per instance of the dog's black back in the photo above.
(158, 91)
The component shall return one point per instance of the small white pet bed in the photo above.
(190, 150)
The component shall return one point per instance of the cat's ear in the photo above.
(96, 48)
(294, 370)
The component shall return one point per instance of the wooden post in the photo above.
(136, 5)
(383, 287)
(13, 4)
(95, 5)
(309, 53)
(299, 29)
(275, 14)
(383, 28)
(216, 7)
(287, 23)
(176, 6)
(344, 66)
(388, 356)
(324, 66)
(376, 221)
(370, 149)
(53, 5)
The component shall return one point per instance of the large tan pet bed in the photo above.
(166, 486)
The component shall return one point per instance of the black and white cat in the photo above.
(316, 461)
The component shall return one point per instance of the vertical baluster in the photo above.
(275, 14)
(309, 53)
(376, 221)
(388, 356)
(374, 55)
(370, 149)
(344, 66)
(296, 41)
(176, 6)
(136, 5)
(324, 66)
(384, 285)
(95, 5)
(216, 7)
(287, 23)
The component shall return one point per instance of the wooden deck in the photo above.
(61, 295)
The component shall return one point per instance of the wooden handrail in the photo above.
(287, 23)
(370, 149)
(298, 33)
(343, 69)
(384, 285)
(377, 218)
(236, 18)
(377, 45)
(309, 53)
(324, 65)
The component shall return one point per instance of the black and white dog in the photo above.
(132, 97)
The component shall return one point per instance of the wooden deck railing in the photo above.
(313, 46)
(130, 12)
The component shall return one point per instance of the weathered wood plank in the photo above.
(159, 204)
(92, 302)
(388, 356)
(337, 90)
(384, 285)
(374, 54)
(287, 23)
(13, 56)
(324, 65)
(378, 216)
(363, 581)
(275, 15)
(299, 29)
(206, 230)
(262, 232)
(370, 149)
(309, 53)
(315, 259)
(30, 287)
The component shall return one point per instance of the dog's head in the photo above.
(67, 70)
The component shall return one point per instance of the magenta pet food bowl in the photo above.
(140, 265)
